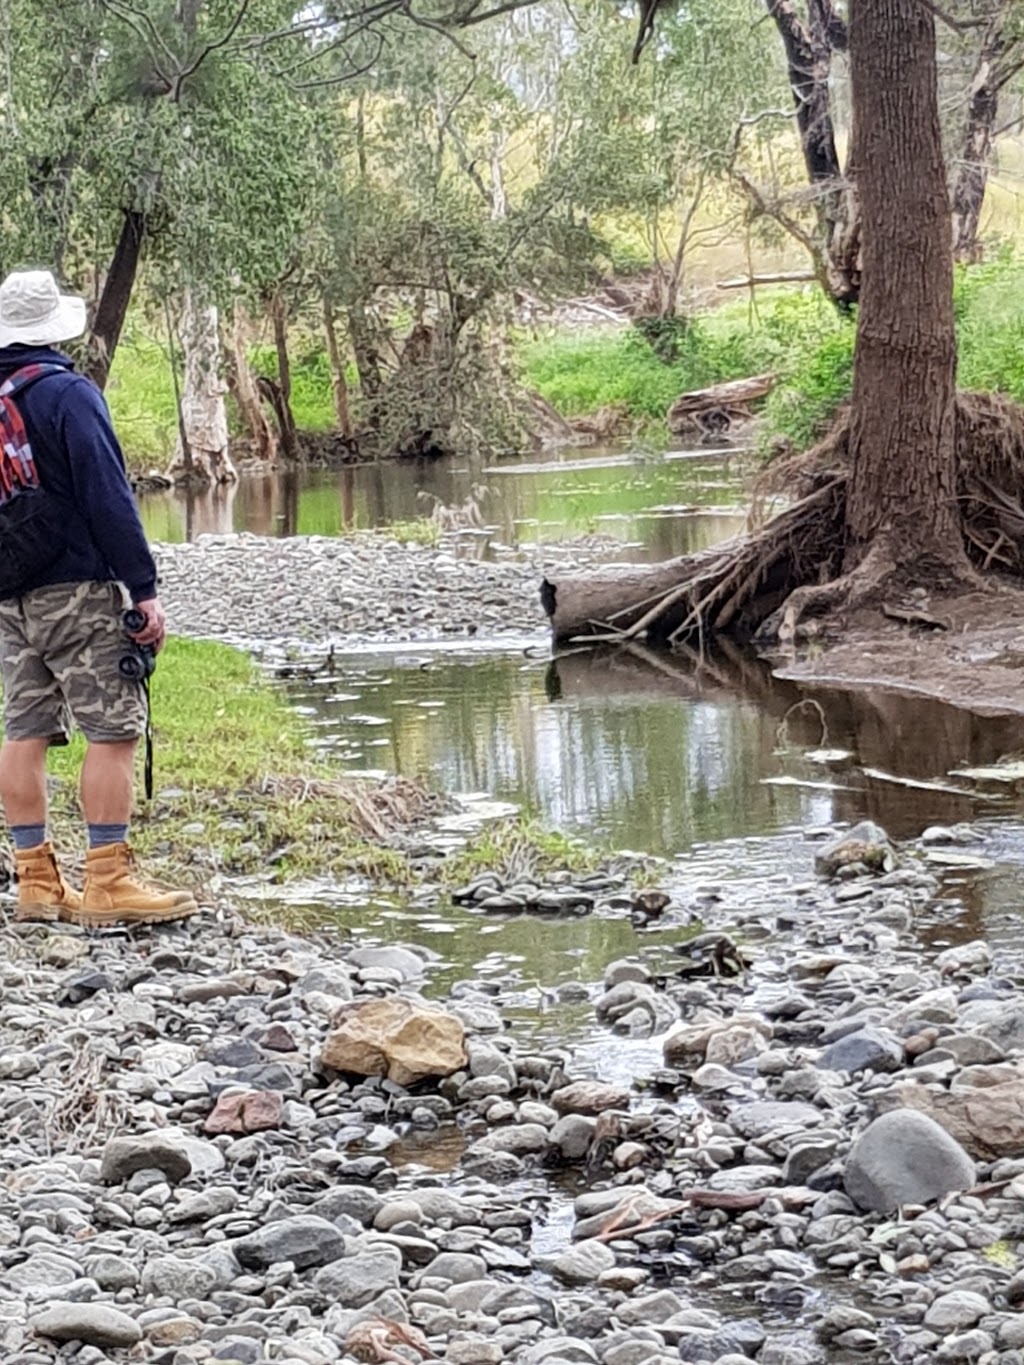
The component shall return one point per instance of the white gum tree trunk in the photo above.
(202, 453)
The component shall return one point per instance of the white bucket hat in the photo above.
(34, 312)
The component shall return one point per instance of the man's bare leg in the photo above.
(23, 780)
(42, 892)
(108, 775)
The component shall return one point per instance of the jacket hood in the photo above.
(14, 357)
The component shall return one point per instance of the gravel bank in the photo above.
(355, 589)
(191, 1170)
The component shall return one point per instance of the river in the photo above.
(710, 763)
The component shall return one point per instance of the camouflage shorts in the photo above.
(59, 653)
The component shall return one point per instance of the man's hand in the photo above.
(154, 632)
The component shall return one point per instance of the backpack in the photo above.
(32, 522)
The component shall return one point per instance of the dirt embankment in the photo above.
(972, 657)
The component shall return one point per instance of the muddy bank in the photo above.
(973, 659)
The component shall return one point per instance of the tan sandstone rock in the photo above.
(398, 1037)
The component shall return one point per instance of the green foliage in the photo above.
(518, 847)
(580, 374)
(989, 305)
(140, 393)
(312, 398)
(814, 364)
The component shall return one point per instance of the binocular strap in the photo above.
(148, 769)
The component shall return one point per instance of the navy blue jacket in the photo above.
(80, 462)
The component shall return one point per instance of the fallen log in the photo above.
(731, 586)
(738, 586)
(716, 408)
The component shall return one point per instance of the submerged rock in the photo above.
(866, 844)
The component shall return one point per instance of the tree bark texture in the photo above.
(809, 45)
(364, 348)
(339, 386)
(902, 491)
(112, 307)
(280, 393)
(203, 415)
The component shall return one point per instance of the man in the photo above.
(63, 635)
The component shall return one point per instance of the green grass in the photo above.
(581, 373)
(238, 790)
(797, 334)
(312, 394)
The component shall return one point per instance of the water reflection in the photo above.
(660, 752)
(665, 505)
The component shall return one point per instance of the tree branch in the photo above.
(232, 29)
(950, 20)
(437, 27)
(469, 17)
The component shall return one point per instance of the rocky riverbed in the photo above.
(358, 588)
(228, 1143)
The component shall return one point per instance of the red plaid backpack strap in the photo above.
(17, 465)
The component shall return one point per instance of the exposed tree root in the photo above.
(770, 580)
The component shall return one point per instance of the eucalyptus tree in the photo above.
(982, 51)
(660, 139)
(436, 208)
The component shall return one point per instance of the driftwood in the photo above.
(737, 587)
(731, 586)
(717, 408)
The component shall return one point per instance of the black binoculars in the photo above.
(138, 661)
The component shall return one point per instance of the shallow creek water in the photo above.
(714, 766)
(660, 504)
(710, 764)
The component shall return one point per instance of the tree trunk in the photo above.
(971, 178)
(901, 502)
(245, 392)
(339, 386)
(280, 394)
(809, 47)
(203, 414)
(365, 352)
(115, 298)
(279, 316)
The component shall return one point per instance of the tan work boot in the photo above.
(112, 895)
(43, 894)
